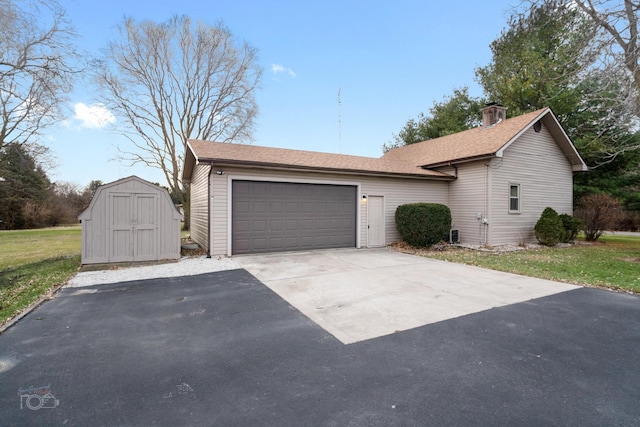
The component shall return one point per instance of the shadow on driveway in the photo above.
(223, 349)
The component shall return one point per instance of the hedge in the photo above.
(423, 224)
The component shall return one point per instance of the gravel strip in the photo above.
(184, 267)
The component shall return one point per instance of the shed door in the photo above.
(286, 216)
(133, 227)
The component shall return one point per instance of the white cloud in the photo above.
(94, 116)
(277, 69)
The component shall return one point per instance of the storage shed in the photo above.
(130, 220)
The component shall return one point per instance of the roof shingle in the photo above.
(409, 161)
(257, 156)
(473, 143)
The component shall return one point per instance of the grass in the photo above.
(33, 263)
(613, 262)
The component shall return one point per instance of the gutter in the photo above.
(462, 160)
(276, 166)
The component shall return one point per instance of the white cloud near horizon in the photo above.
(277, 69)
(93, 116)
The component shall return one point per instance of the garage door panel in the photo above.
(276, 225)
(242, 207)
(260, 225)
(242, 188)
(259, 243)
(276, 207)
(242, 225)
(276, 243)
(259, 207)
(291, 241)
(270, 216)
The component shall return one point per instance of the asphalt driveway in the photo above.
(224, 349)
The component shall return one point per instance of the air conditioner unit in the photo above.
(454, 235)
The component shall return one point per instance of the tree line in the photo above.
(171, 81)
(30, 199)
(582, 59)
(167, 82)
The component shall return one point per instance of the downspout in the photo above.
(485, 221)
(209, 210)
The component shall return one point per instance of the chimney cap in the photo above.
(492, 103)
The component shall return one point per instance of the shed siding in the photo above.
(130, 220)
(199, 226)
(546, 180)
(468, 197)
(396, 191)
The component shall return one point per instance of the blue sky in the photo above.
(390, 60)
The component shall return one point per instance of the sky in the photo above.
(390, 60)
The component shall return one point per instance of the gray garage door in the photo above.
(284, 216)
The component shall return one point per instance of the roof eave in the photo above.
(190, 161)
(460, 160)
(279, 166)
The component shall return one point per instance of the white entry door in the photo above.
(375, 221)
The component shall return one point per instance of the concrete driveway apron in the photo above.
(359, 294)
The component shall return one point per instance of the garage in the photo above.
(287, 216)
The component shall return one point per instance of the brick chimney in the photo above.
(493, 113)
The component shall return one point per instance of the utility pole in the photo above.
(339, 121)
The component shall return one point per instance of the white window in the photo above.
(514, 198)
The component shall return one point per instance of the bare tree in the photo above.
(173, 81)
(619, 46)
(620, 21)
(616, 67)
(36, 71)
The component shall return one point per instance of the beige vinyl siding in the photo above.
(219, 212)
(200, 205)
(398, 192)
(544, 174)
(467, 196)
(130, 220)
(395, 191)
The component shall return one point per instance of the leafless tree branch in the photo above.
(36, 71)
(177, 80)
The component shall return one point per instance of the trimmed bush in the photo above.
(571, 226)
(423, 224)
(549, 228)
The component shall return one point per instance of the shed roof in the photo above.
(86, 214)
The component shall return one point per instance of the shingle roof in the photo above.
(268, 157)
(470, 144)
(410, 161)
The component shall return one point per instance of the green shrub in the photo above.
(571, 226)
(549, 229)
(423, 224)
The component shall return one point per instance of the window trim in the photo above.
(518, 198)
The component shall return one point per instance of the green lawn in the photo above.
(613, 262)
(32, 263)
